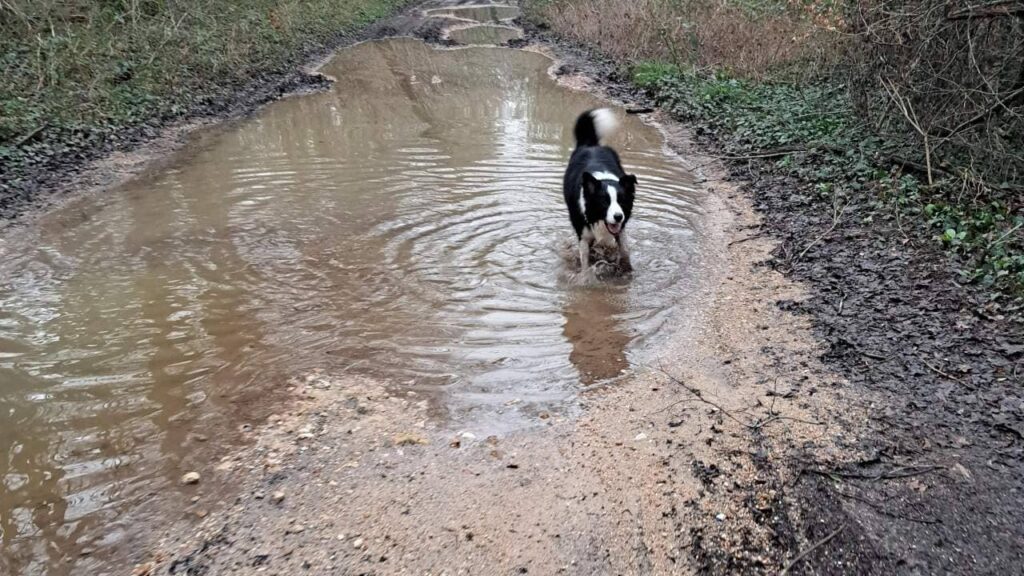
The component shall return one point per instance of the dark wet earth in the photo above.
(406, 224)
(940, 485)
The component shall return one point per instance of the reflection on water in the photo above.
(595, 326)
(407, 224)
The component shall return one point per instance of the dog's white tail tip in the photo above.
(605, 122)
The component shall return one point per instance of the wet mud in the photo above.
(938, 486)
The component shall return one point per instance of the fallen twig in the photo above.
(31, 134)
(756, 425)
(804, 554)
(896, 473)
(670, 406)
(941, 373)
(878, 508)
(700, 396)
(742, 240)
(988, 10)
(762, 423)
(873, 355)
(837, 213)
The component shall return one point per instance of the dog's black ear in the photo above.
(628, 182)
(591, 185)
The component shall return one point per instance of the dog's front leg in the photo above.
(584, 254)
(586, 239)
(624, 260)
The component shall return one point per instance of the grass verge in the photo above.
(811, 131)
(77, 72)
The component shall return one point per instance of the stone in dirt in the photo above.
(190, 478)
(277, 497)
(406, 439)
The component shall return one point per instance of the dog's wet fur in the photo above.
(598, 192)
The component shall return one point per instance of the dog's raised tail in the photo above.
(594, 125)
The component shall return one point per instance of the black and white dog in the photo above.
(598, 192)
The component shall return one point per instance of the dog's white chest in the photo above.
(600, 235)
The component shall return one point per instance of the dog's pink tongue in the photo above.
(614, 228)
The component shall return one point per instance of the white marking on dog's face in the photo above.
(605, 176)
(614, 217)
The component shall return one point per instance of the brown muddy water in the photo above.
(474, 35)
(492, 13)
(407, 224)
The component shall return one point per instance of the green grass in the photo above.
(984, 231)
(83, 68)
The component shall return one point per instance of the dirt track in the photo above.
(677, 469)
(851, 411)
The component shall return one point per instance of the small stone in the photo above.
(296, 529)
(190, 478)
(407, 439)
(640, 436)
(277, 497)
(544, 415)
(962, 470)
(357, 543)
(720, 517)
(195, 499)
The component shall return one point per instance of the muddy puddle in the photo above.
(483, 35)
(493, 13)
(407, 224)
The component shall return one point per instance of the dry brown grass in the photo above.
(950, 75)
(712, 34)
